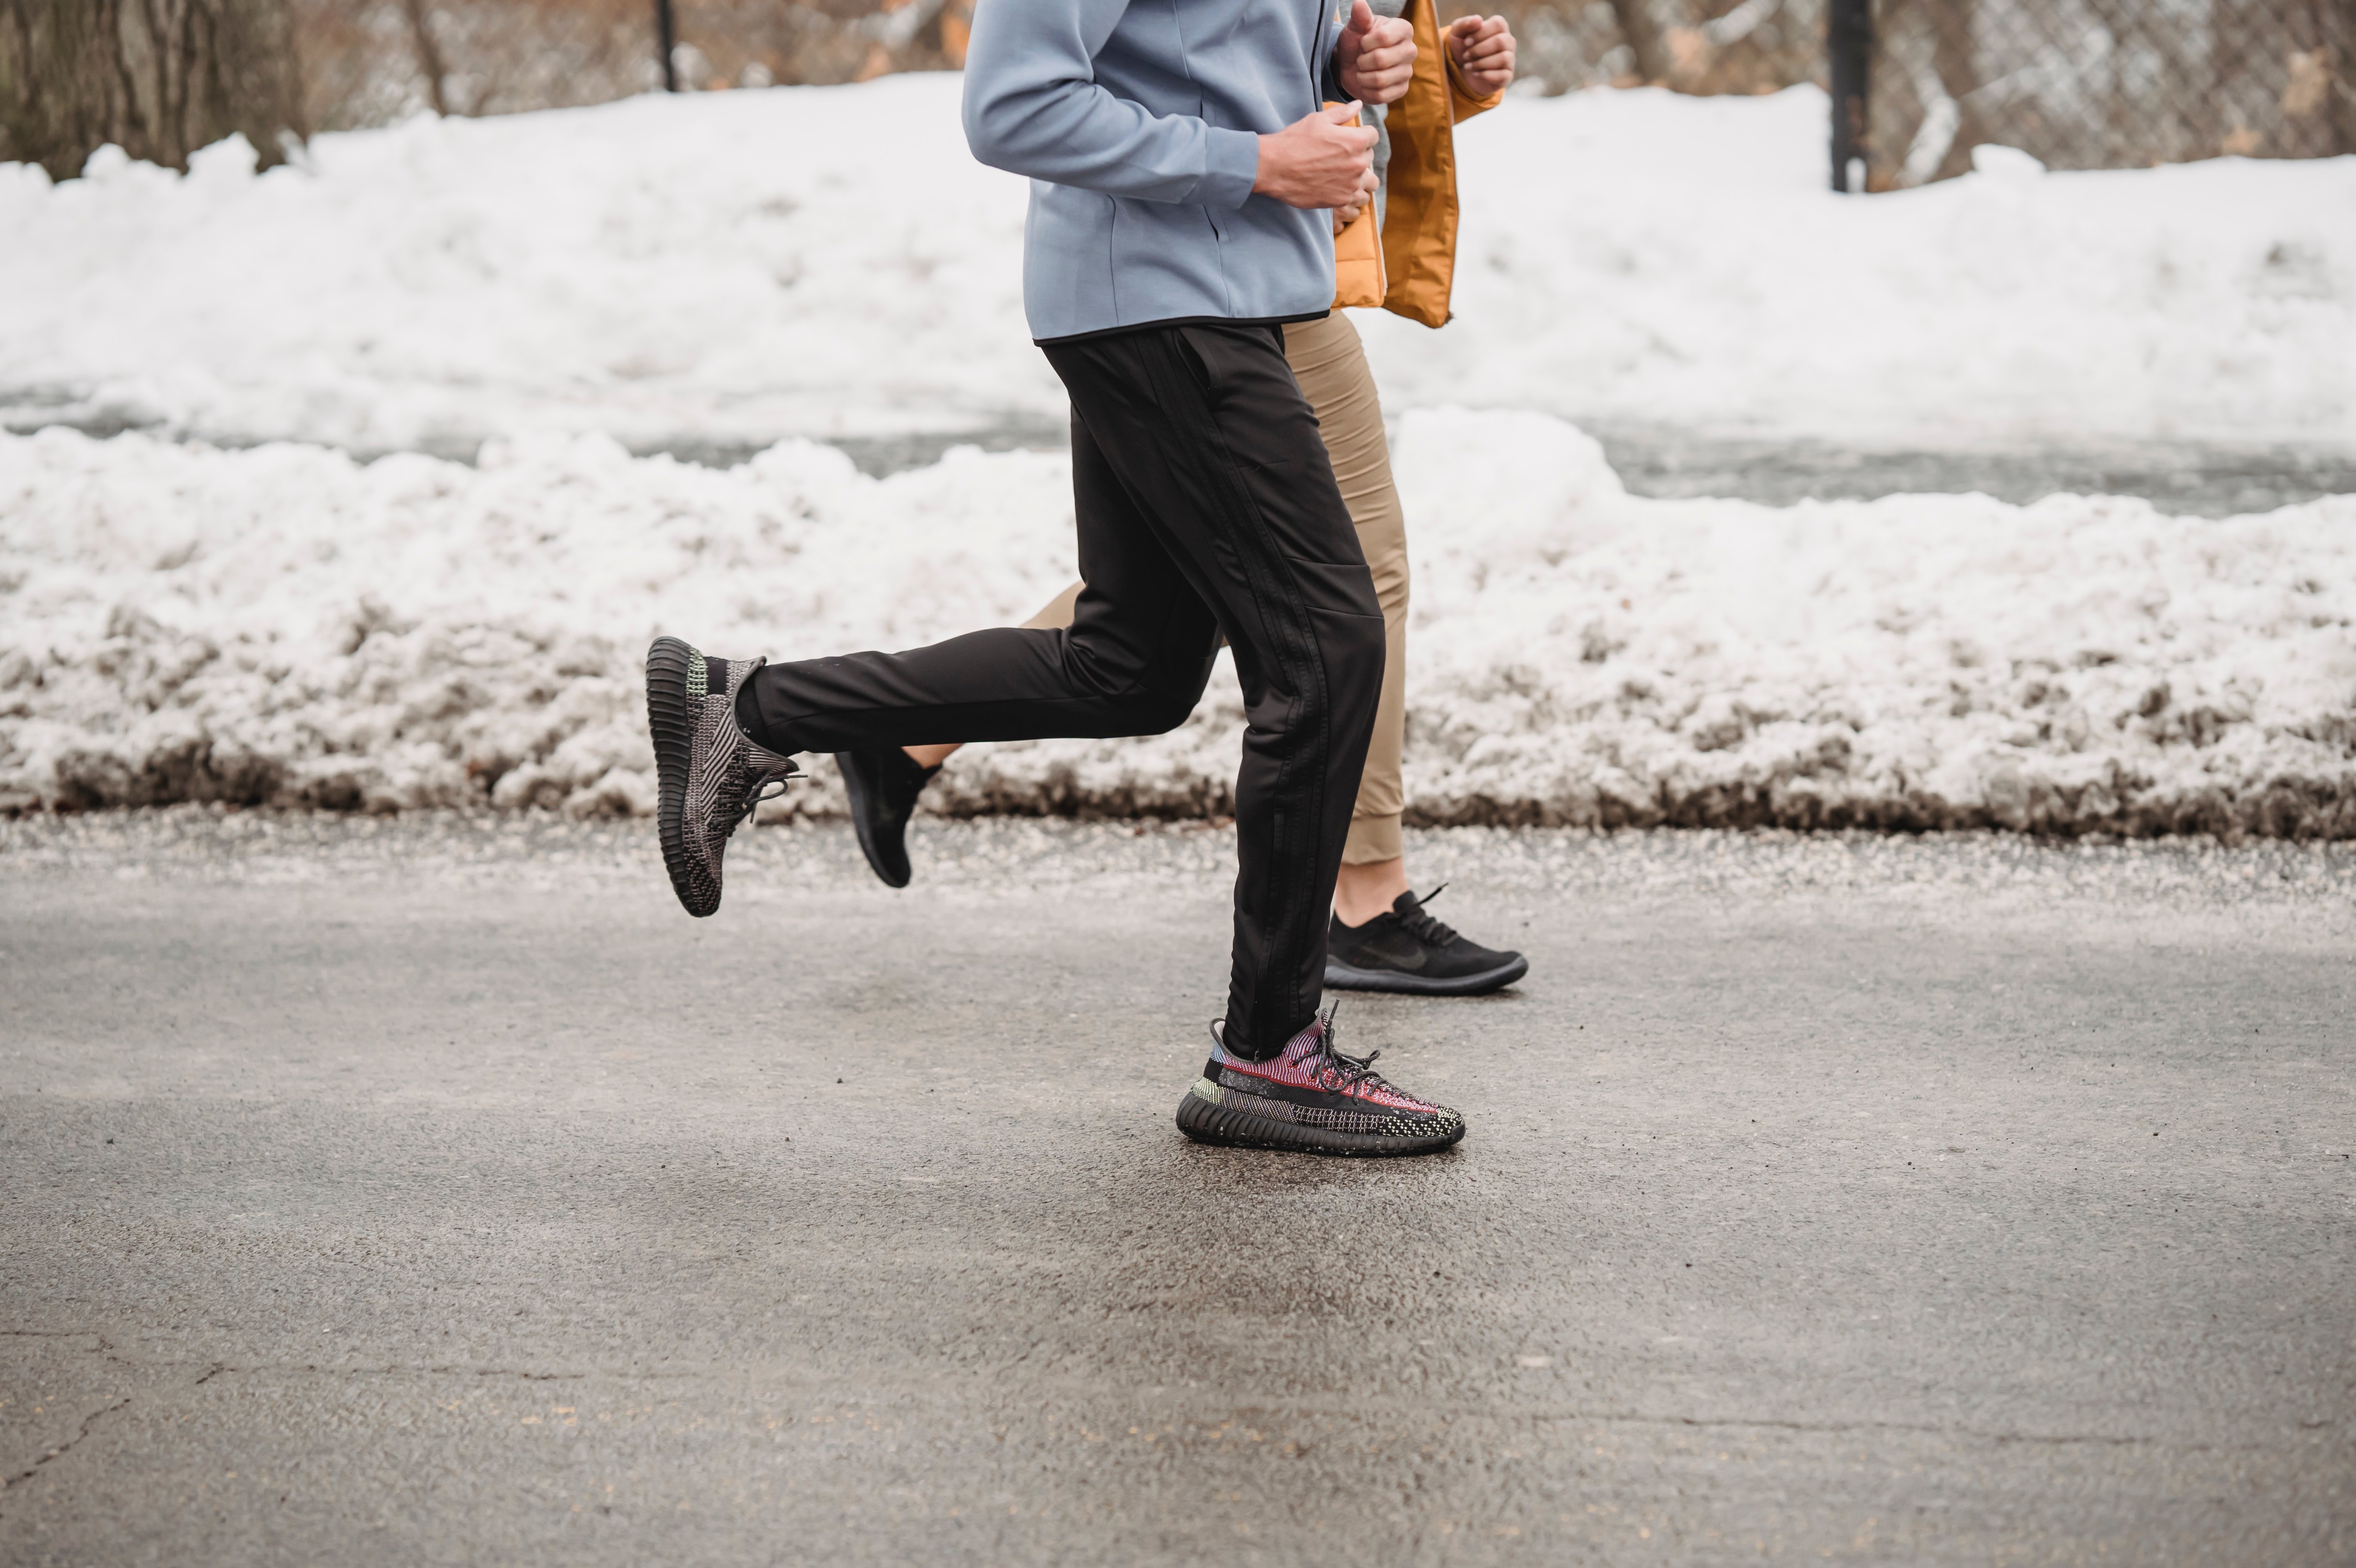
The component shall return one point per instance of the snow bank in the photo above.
(737, 267)
(285, 624)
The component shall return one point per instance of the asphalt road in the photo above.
(437, 1192)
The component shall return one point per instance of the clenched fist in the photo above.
(1346, 215)
(1377, 54)
(1483, 52)
(1318, 160)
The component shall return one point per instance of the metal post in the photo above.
(666, 39)
(1848, 41)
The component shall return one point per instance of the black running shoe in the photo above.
(1312, 1099)
(709, 774)
(1407, 950)
(884, 788)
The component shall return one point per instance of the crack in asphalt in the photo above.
(1845, 1427)
(216, 1369)
(1616, 1418)
(88, 1421)
(104, 1347)
(1609, 1418)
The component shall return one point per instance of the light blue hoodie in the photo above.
(1139, 123)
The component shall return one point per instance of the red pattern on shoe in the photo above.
(1309, 1061)
(1311, 1099)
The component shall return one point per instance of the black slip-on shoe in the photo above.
(1311, 1099)
(883, 787)
(709, 774)
(1409, 951)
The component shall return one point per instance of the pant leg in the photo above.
(1209, 434)
(1204, 499)
(1133, 663)
(1330, 363)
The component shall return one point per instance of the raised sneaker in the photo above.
(883, 787)
(1310, 1098)
(1407, 950)
(709, 774)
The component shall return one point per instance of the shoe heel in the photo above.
(1206, 1122)
(672, 728)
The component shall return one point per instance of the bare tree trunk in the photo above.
(125, 84)
(2337, 24)
(429, 54)
(1954, 56)
(157, 80)
(1643, 39)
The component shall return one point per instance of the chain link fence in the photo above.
(1690, 45)
(367, 62)
(2079, 84)
(2101, 84)
(2076, 83)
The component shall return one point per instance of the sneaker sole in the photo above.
(1341, 977)
(668, 721)
(856, 787)
(1229, 1128)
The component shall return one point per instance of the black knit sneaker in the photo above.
(1407, 950)
(709, 774)
(1312, 1099)
(884, 788)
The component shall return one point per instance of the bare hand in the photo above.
(1483, 52)
(1321, 160)
(1377, 54)
(1345, 216)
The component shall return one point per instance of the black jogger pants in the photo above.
(1205, 504)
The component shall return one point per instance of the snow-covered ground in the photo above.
(736, 267)
(287, 624)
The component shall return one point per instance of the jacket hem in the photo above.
(1094, 333)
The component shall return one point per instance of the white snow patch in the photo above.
(287, 624)
(738, 267)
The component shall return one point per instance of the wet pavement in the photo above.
(2187, 478)
(433, 1190)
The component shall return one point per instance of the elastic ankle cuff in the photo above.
(1373, 838)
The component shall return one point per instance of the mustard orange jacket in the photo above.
(1409, 267)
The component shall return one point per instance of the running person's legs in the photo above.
(1206, 426)
(1205, 504)
(1381, 939)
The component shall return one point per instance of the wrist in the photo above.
(1237, 161)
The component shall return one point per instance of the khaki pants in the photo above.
(1331, 366)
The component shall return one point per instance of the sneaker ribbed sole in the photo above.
(1341, 977)
(1230, 1128)
(670, 721)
